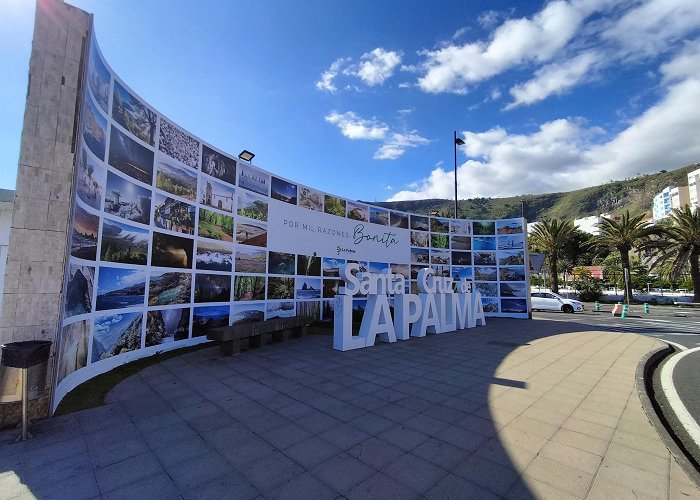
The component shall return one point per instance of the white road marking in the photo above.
(676, 345)
(682, 413)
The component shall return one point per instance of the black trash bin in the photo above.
(25, 355)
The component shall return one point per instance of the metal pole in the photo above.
(454, 145)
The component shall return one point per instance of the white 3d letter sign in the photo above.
(438, 308)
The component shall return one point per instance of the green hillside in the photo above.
(635, 194)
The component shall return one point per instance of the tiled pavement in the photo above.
(516, 409)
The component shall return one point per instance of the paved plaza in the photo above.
(516, 409)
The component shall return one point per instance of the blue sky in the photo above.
(360, 99)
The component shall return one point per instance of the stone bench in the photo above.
(230, 337)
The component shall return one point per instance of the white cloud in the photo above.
(651, 27)
(377, 66)
(555, 78)
(397, 144)
(394, 144)
(327, 77)
(354, 127)
(452, 68)
(567, 154)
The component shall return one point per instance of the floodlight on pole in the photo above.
(246, 155)
(457, 142)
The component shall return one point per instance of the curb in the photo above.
(653, 409)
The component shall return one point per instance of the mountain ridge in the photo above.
(635, 194)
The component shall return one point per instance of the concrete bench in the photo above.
(230, 337)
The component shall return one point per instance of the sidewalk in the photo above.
(517, 409)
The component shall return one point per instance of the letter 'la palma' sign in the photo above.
(438, 308)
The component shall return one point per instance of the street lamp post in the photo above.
(457, 142)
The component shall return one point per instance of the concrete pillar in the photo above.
(32, 293)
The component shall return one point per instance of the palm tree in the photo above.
(624, 235)
(551, 236)
(681, 246)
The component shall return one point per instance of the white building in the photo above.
(589, 224)
(694, 188)
(668, 199)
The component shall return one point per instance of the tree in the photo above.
(681, 246)
(630, 232)
(551, 237)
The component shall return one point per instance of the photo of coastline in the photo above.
(402, 269)
(133, 115)
(513, 290)
(462, 272)
(73, 348)
(461, 243)
(331, 266)
(511, 257)
(308, 265)
(512, 273)
(250, 260)
(116, 334)
(511, 242)
(252, 205)
(281, 309)
(491, 304)
(171, 251)
(310, 198)
(334, 205)
(124, 243)
(98, 77)
(245, 312)
(216, 195)
(379, 216)
(167, 325)
(283, 191)
(80, 284)
(178, 145)
(120, 287)
(420, 223)
(94, 128)
(176, 180)
(173, 215)
(249, 288)
(281, 263)
(509, 226)
(251, 234)
(420, 255)
(397, 219)
(357, 211)
(218, 165)
(487, 289)
(513, 305)
(207, 317)
(214, 255)
(440, 257)
(127, 200)
(130, 157)
(484, 258)
(483, 243)
(486, 273)
(308, 288)
(253, 179)
(165, 288)
(212, 287)
(280, 288)
(215, 225)
(92, 176)
(439, 225)
(83, 242)
(378, 267)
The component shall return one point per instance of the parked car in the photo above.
(549, 301)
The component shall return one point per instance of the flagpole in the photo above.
(454, 144)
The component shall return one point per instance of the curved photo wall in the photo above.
(171, 236)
